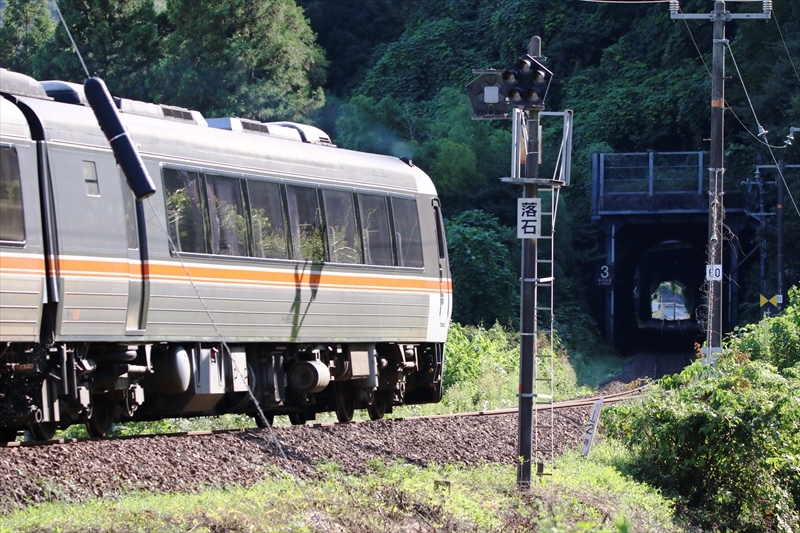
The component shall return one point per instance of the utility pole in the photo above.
(780, 214)
(719, 16)
(715, 181)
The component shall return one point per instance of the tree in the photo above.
(26, 26)
(118, 41)
(484, 263)
(350, 30)
(245, 58)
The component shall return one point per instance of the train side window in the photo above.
(130, 214)
(344, 240)
(227, 224)
(12, 223)
(439, 230)
(375, 229)
(306, 223)
(185, 210)
(407, 232)
(267, 220)
(90, 178)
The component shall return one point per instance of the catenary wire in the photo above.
(69, 34)
(763, 132)
(785, 47)
(235, 366)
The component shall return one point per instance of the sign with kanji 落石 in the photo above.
(529, 218)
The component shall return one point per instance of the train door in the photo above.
(136, 317)
(445, 292)
(94, 265)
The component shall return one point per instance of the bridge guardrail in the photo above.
(649, 182)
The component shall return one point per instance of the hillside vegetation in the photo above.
(389, 77)
(723, 439)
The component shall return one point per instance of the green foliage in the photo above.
(26, 26)
(484, 269)
(725, 439)
(382, 126)
(119, 42)
(775, 340)
(243, 58)
(481, 369)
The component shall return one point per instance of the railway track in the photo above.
(608, 399)
(82, 469)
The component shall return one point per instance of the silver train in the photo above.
(268, 261)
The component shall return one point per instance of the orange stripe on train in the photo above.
(123, 269)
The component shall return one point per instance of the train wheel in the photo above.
(100, 423)
(260, 421)
(377, 408)
(8, 434)
(43, 430)
(297, 419)
(345, 407)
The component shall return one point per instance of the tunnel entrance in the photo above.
(653, 210)
(660, 298)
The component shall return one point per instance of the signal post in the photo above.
(518, 93)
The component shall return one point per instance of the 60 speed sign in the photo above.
(713, 272)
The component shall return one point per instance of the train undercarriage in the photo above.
(51, 386)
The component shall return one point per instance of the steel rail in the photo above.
(565, 404)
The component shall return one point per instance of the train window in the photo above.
(267, 220)
(185, 210)
(306, 223)
(130, 214)
(407, 233)
(12, 228)
(439, 229)
(227, 224)
(90, 178)
(344, 241)
(375, 229)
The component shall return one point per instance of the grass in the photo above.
(584, 495)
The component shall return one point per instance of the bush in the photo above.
(776, 339)
(481, 369)
(485, 272)
(725, 439)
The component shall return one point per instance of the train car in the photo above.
(270, 270)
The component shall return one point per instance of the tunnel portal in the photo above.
(653, 210)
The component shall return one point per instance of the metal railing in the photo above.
(644, 182)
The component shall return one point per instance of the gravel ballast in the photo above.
(76, 471)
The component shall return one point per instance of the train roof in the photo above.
(285, 150)
(14, 124)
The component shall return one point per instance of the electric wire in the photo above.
(626, 1)
(762, 131)
(728, 107)
(213, 322)
(233, 362)
(785, 47)
(69, 34)
(697, 48)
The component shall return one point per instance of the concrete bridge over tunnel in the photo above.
(653, 211)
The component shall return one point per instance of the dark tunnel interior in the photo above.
(660, 272)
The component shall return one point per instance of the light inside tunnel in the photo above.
(668, 302)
